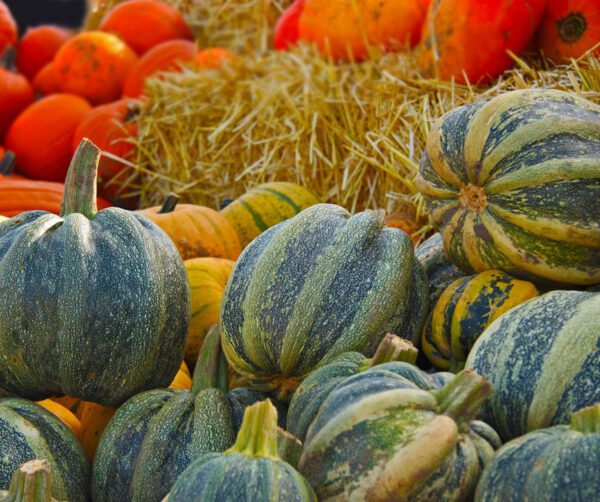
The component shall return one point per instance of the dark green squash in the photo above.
(155, 435)
(93, 305)
(250, 471)
(32, 482)
(320, 383)
(560, 463)
(543, 359)
(315, 286)
(28, 432)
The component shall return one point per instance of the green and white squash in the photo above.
(512, 184)
(320, 383)
(391, 433)
(32, 482)
(543, 359)
(93, 305)
(316, 286)
(29, 432)
(560, 463)
(249, 471)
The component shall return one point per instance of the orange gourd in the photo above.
(45, 82)
(569, 29)
(143, 24)
(38, 47)
(348, 27)
(287, 29)
(8, 28)
(110, 127)
(65, 415)
(94, 65)
(16, 93)
(469, 39)
(212, 58)
(167, 56)
(41, 136)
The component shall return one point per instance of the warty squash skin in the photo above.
(27, 432)
(493, 174)
(104, 294)
(313, 287)
(543, 359)
(32, 482)
(556, 464)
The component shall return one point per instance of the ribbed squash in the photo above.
(65, 415)
(155, 435)
(46, 82)
(543, 359)
(393, 433)
(32, 482)
(316, 286)
(197, 231)
(105, 293)
(251, 470)
(320, 383)
(512, 184)
(465, 309)
(265, 206)
(27, 432)
(558, 463)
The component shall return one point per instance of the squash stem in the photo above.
(462, 397)
(31, 483)
(393, 348)
(587, 420)
(258, 433)
(211, 367)
(169, 204)
(7, 164)
(7, 58)
(80, 186)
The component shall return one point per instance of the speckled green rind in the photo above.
(242, 397)
(96, 309)
(27, 432)
(543, 359)
(315, 286)
(535, 153)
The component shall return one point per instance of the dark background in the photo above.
(35, 12)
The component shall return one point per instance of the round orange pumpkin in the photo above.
(167, 56)
(143, 24)
(287, 29)
(8, 27)
(569, 29)
(94, 65)
(468, 39)
(41, 137)
(16, 93)
(45, 81)
(212, 58)
(38, 47)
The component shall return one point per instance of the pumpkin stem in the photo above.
(462, 397)
(169, 204)
(258, 433)
(587, 420)
(31, 483)
(393, 348)
(289, 447)
(211, 367)
(7, 164)
(7, 58)
(80, 185)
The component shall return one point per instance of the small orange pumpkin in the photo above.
(143, 24)
(212, 58)
(8, 27)
(16, 93)
(196, 230)
(45, 81)
(167, 56)
(94, 65)
(287, 29)
(41, 136)
(38, 47)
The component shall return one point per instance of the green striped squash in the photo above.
(560, 463)
(512, 184)
(265, 206)
(316, 286)
(32, 482)
(28, 432)
(321, 382)
(393, 433)
(250, 471)
(463, 312)
(543, 359)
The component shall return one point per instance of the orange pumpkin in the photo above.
(45, 82)
(344, 26)
(110, 127)
(212, 58)
(8, 27)
(403, 223)
(196, 230)
(94, 65)
(469, 39)
(65, 415)
(167, 56)
(143, 24)
(16, 93)
(287, 30)
(41, 137)
(38, 47)
(569, 29)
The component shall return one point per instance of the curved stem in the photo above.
(211, 367)
(80, 186)
(169, 204)
(258, 433)
(587, 420)
(7, 164)
(393, 348)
